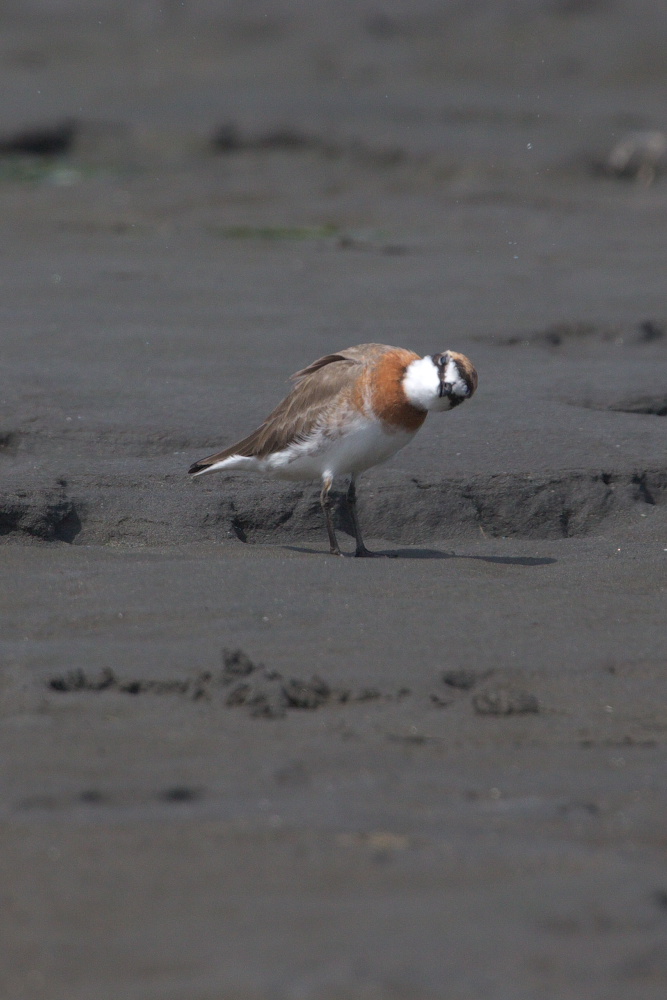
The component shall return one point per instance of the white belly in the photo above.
(364, 444)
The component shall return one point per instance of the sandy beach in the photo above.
(234, 767)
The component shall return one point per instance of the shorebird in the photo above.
(347, 412)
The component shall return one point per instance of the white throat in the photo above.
(421, 383)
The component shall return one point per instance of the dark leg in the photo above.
(361, 549)
(326, 507)
(352, 507)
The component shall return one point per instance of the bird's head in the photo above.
(440, 381)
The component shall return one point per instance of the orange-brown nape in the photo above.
(387, 395)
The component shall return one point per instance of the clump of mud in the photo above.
(78, 680)
(266, 693)
(240, 683)
(460, 679)
(505, 701)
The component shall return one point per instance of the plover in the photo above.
(347, 412)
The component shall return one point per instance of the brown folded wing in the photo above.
(316, 389)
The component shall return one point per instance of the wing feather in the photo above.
(317, 386)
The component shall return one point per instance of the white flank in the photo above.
(361, 444)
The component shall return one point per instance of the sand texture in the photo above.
(234, 767)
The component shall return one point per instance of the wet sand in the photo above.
(437, 775)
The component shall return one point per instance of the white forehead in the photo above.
(453, 375)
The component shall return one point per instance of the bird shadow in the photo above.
(438, 554)
(501, 560)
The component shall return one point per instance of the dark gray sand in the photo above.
(435, 776)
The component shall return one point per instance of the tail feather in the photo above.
(198, 467)
(249, 447)
(230, 459)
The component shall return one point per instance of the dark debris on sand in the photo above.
(106, 680)
(241, 683)
(48, 140)
(460, 679)
(505, 701)
(268, 694)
